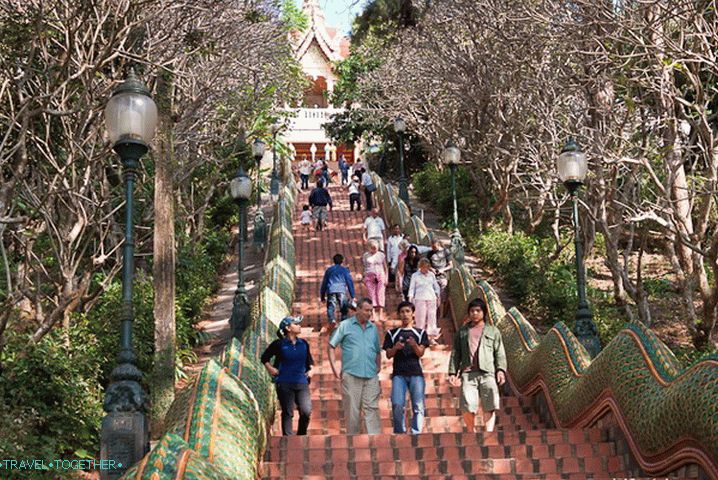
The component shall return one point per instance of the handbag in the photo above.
(371, 188)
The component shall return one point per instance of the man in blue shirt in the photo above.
(344, 168)
(337, 280)
(358, 338)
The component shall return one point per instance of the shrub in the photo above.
(50, 396)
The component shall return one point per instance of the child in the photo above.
(306, 217)
(354, 197)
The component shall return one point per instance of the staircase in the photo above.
(521, 447)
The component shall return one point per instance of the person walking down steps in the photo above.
(358, 339)
(406, 345)
(291, 373)
(478, 365)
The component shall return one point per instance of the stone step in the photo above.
(430, 452)
(548, 436)
(473, 466)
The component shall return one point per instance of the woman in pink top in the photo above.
(375, 276)
(424, 294)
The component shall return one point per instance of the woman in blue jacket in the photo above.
(291, 371)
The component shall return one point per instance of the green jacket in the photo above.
(492, 356)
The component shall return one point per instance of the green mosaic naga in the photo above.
(217, 428)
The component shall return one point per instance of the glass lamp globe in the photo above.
(399, 125)
(572, 165)
(131, 114)
(241, 186)
(451, 154)
(258, 148)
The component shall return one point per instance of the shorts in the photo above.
(320, 213)
(479, 385)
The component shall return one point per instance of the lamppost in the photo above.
(241, 190)
(131, 119)
(572, 168)
(451, 156)
(258, 148)
(274, 185)
(400, 128)
(260, 224)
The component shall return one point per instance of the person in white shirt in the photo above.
(424, 294)
(306, 217)
(354, 195)
(374, 228)
(392, 250)
(305, 170)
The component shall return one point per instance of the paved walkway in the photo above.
(216, 320)
(521, 448)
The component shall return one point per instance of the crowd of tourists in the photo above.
(419, 273)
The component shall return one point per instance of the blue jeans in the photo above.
(415, 385)
(336, 301)
(305, 180)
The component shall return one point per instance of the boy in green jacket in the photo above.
(478, 364)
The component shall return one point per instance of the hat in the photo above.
(286, 322)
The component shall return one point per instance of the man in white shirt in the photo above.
(374, 228)
(305, 170)
(369, 188)
(392, 250)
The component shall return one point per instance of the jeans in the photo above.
(415, 385)
(289, 394)
(305, 180)
(369, 203)
(334, 301)
(345, 176)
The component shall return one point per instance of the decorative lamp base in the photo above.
(125, 439)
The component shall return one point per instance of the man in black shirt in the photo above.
(406, 345)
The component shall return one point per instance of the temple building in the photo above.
(316, 49)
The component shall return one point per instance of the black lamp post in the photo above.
(451, 156)
(131, 119)
(274, 185)
(241, 190)
(400, 128)
(572, 168)
(260, 224)
(258, 148)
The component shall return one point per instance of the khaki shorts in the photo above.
(475, 385)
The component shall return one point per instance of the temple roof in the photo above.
(335, 47)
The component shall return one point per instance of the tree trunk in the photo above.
(163, 268)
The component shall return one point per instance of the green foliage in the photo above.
(384, 18)
(657, 287)
(293, 17)
(50, 396)
(425, 184)
(689, 356)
